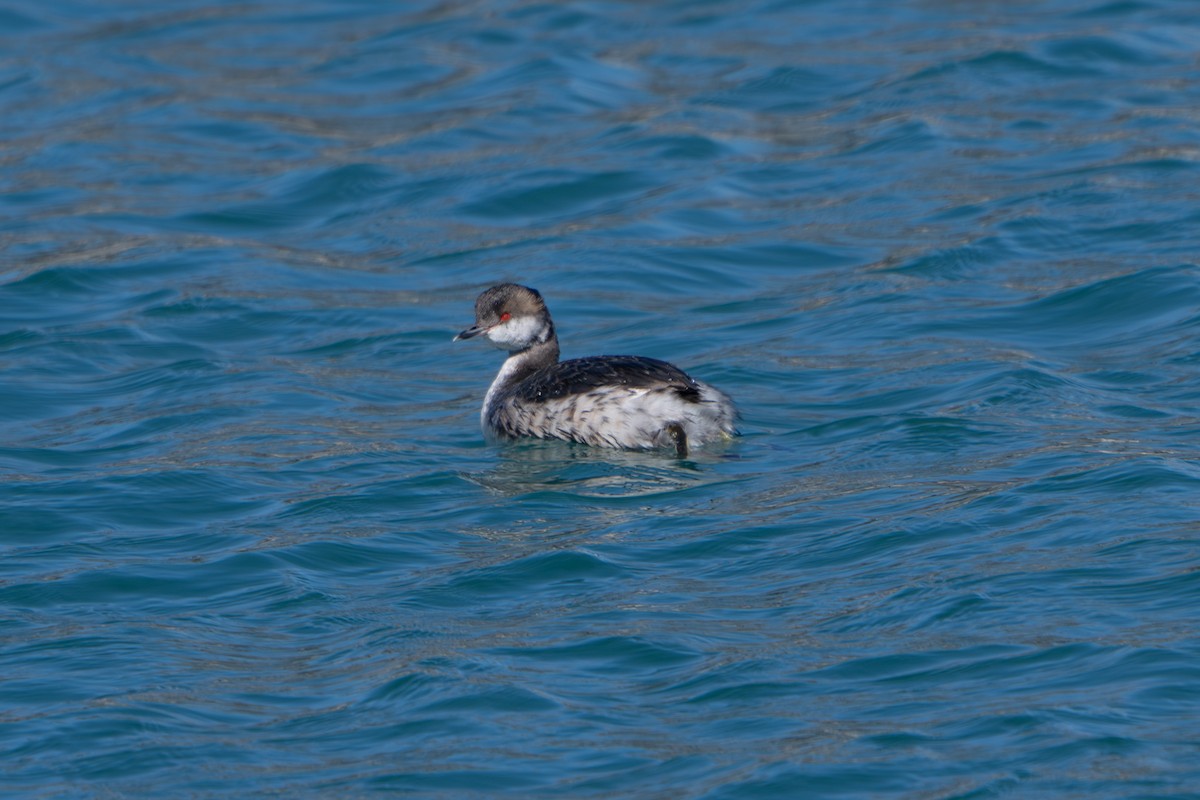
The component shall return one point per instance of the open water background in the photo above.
(943, 254)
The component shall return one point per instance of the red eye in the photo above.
(505, 317)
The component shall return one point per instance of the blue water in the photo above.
(943, 254)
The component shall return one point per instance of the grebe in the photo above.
(611, 401)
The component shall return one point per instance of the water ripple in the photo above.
(255, 544)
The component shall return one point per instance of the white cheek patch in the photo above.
(516, 334)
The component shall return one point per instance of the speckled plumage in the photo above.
(611, 401)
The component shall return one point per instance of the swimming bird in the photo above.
(629, 402)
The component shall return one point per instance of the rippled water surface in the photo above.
(943, 254)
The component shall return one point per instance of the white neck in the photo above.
(510, 366)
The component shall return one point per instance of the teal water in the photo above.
(943, 254)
